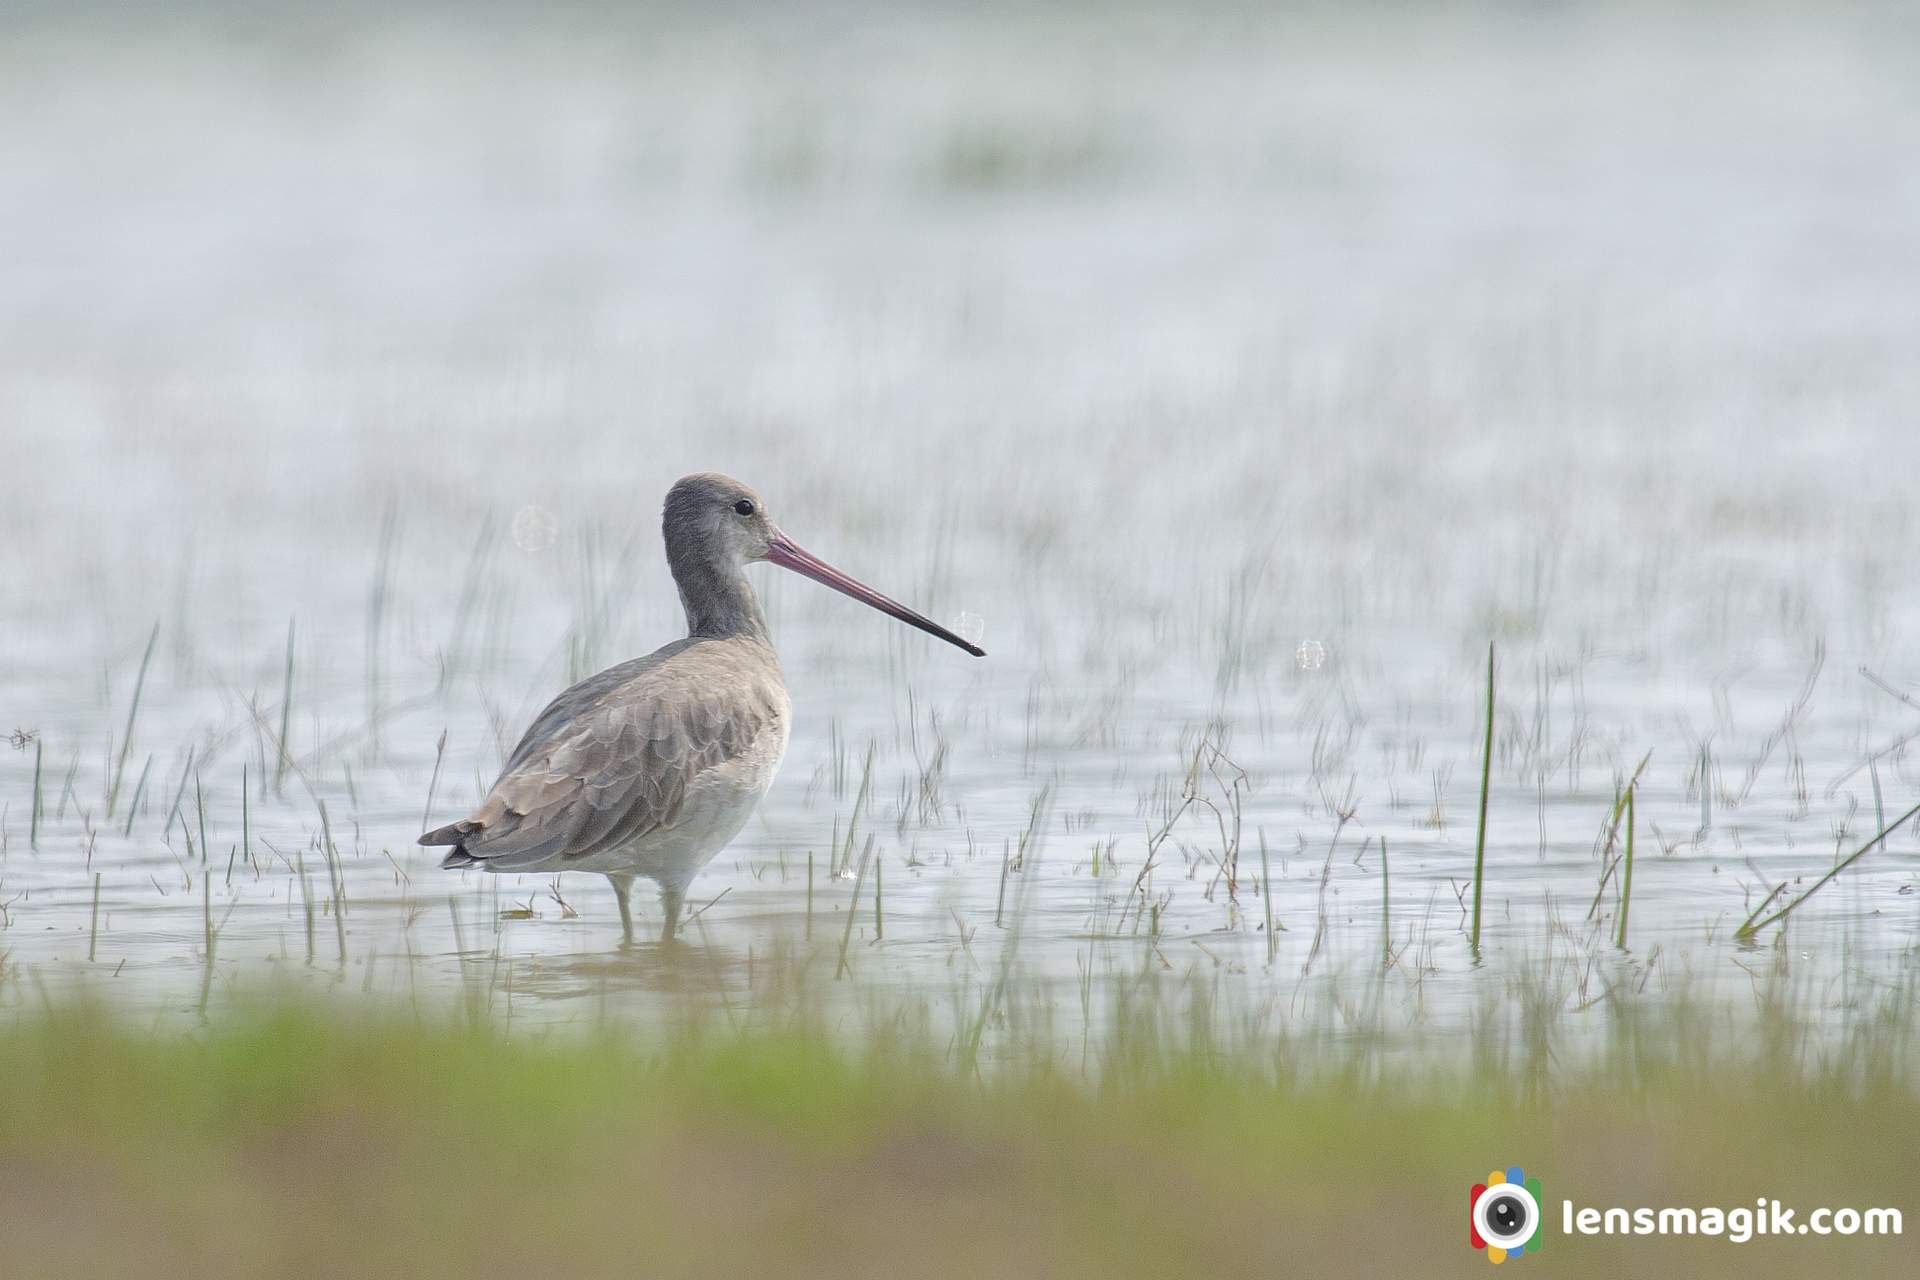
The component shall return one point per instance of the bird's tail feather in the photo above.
(455, 834)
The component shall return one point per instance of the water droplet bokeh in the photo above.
(534, 528)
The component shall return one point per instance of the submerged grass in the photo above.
(1750, 928)
(33, 829)
(286, 716)
(1626, 872)
(119, 772)
(294, 1138)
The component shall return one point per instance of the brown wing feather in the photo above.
(612, 759)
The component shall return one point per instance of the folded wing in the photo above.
(609, 761)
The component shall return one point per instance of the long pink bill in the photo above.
(782, 552)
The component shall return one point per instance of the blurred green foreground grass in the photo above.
(304, 1140)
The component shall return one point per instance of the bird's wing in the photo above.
(607, 762)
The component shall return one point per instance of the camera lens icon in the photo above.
(1504, 1214)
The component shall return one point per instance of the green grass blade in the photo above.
(1486, 781)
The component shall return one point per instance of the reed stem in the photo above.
(1626, 874)
(1486, 780)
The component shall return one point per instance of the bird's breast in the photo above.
(760, 762)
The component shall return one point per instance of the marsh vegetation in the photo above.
(1238, 379)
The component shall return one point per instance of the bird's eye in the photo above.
(744, 506)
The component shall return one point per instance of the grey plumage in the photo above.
(611, 759)
(650, 767)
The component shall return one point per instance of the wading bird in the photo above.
(652, 766)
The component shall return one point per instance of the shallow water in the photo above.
(1239, 377)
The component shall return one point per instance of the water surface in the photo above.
(1239, 377)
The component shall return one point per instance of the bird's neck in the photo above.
(718, 599)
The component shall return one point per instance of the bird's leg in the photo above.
(672, 897)
(622, 883)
